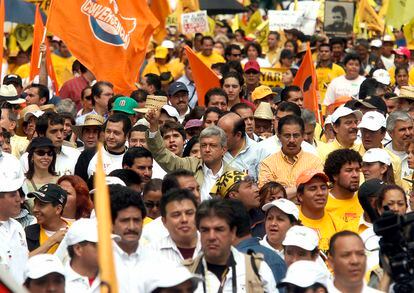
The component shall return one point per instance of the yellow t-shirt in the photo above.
(391, 71)
(324, 77)
(325, 227)
(212, 59)
(63, 68)
(177, 68)
(23, 70)
(156, 68)
(345, 209)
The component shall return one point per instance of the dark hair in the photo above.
(368, 88)
(284, 95)
(286, 54)
(241, 217)
(134, 153)
(42, 90)
(204, 38)
(336, 41)
(129, 177)
(152, 185)
(124, 197)
(269, 187)
(351, 57)
(154, 80)
(254, 45)
(212, 109)
(239, 126)
(189, 146)
(232, 74)
(67, 115)
(97, 89)
(216, 207)
(84, 91)
(229, 48)
(71, 249)
(295, 46)
(138, 128)
(233, 66)
(30, 172)
(290, 120)
(294, 71)
(119, 117)
(398, 69)
(385, 189)
(324, 45)
(286, 106)
(139, 95)
(170, 126)
(47, 118)
(216, 91)
(337, 159)
(339, 9)
(175, 194)
(275, 33)
(170, 180)
(338, 235)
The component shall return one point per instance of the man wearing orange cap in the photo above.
(312, 193)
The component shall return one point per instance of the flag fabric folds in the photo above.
(107, 272)
(306, 79)
(108, 37)
(204, 77)
(1, 34)
(399, 12)
(161, 10)
(366, 14)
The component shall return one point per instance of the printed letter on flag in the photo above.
(109, 37)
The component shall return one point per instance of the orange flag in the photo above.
(109, 37)
(161, 10)
(1, 35)
(38, 33)
(306, 79)
(102, 203)
(204, 77)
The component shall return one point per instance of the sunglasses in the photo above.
(41, 153)
(152, 204)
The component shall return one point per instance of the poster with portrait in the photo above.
(339, 18)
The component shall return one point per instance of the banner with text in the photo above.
(310, 11)
(284, 19)
(194, 22)
(271, 76)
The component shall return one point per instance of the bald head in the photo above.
(234, 127)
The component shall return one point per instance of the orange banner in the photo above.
(161, 10)
(109, 37)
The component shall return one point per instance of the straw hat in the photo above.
(9, 94)
(24, 116)
(48, 108)
(90, 120)
(263, 111)
(406, 92)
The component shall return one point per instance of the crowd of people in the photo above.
(247, 192)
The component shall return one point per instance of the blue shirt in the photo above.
(274, 261)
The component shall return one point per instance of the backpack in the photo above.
(252, 261)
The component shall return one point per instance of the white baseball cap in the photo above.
(376, 43)
(382, 76)
(82, 230)
(11, 173)
(373, 121)
(345, 111)
(171, 111)
(110, 180)
(284, 205)
(41, 265)
(305, 273)
(167, 44)
(328, 120)
(377, 155)
(301, 236)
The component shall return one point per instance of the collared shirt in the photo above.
(405, 170)
(192, 93)
(182, 117)
(13, 248)
(278, 168)
(246, 159)
(154, 231)
(266, 243)
(209, 181)
(72, 89)
(365, 289)
(75, 282)
(110, 162)
(324, 149)
(166, 249)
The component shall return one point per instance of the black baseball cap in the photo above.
(176, 87)
(39, 142)
(13, 79)
(50, 193)
(371, 188)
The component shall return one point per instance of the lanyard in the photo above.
(230, 263)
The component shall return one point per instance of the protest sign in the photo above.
(194, 22)
(339, 16)
(153, 102)
(310, 11)
(271, 76)
(284, 19)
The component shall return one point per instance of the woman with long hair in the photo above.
(376, 163)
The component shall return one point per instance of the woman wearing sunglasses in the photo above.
(42, 159)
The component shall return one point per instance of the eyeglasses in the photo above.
(152, 204)
(89, 98)
(41, 153)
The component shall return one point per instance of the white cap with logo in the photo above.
(284, 205)
(373, 121)
(345, 111)
(377, 155)
(41, 265)
(11, 173)
(305, 273)
(302, 237)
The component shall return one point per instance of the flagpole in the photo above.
(48, 14)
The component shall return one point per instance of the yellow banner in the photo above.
(272, 76)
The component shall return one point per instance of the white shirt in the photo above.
(266, 243)
(13, 248)
(332, 289)
(77, 283)
(213, 283)
(262, 62)
(340, 87)
(166, 249)
(154, 231)
(192, 93)
(209, 181)
(388, 61)
(405, 170)
(110, 162)
(65, 161)
(157, 171)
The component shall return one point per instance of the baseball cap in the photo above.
(167, 44)
(176, 87)
(50, 193)
(308, 174)
(402, 51)
(387, 38)
(41, 265)
(161, 52)
(370, 188)
(125, 105)
(252, 65)
(377, 155)
(305, 273)
(82, 230)
(376, 43)
(226, 182)
(39, 142)
(110, 180)
(344, 111)
(373, 121)
(261, 92)
(328, 120)
(382, 76)
(171, 111)
(11, 173)
(301, 236)
(13, 79)
(284, 205)
(192, 123)
(378, 103)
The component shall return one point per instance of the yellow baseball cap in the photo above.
(261, 92)
(161, 52)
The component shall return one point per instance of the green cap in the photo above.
(125, 105)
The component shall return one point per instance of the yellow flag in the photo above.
(409, 34)
(103, 215)
(399, 12)
(254, 21)
(368, 16)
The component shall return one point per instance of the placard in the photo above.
(310, 11)
(194, 22)
(284, 19)
(339, 17)
(153, 102)
(272, 76)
